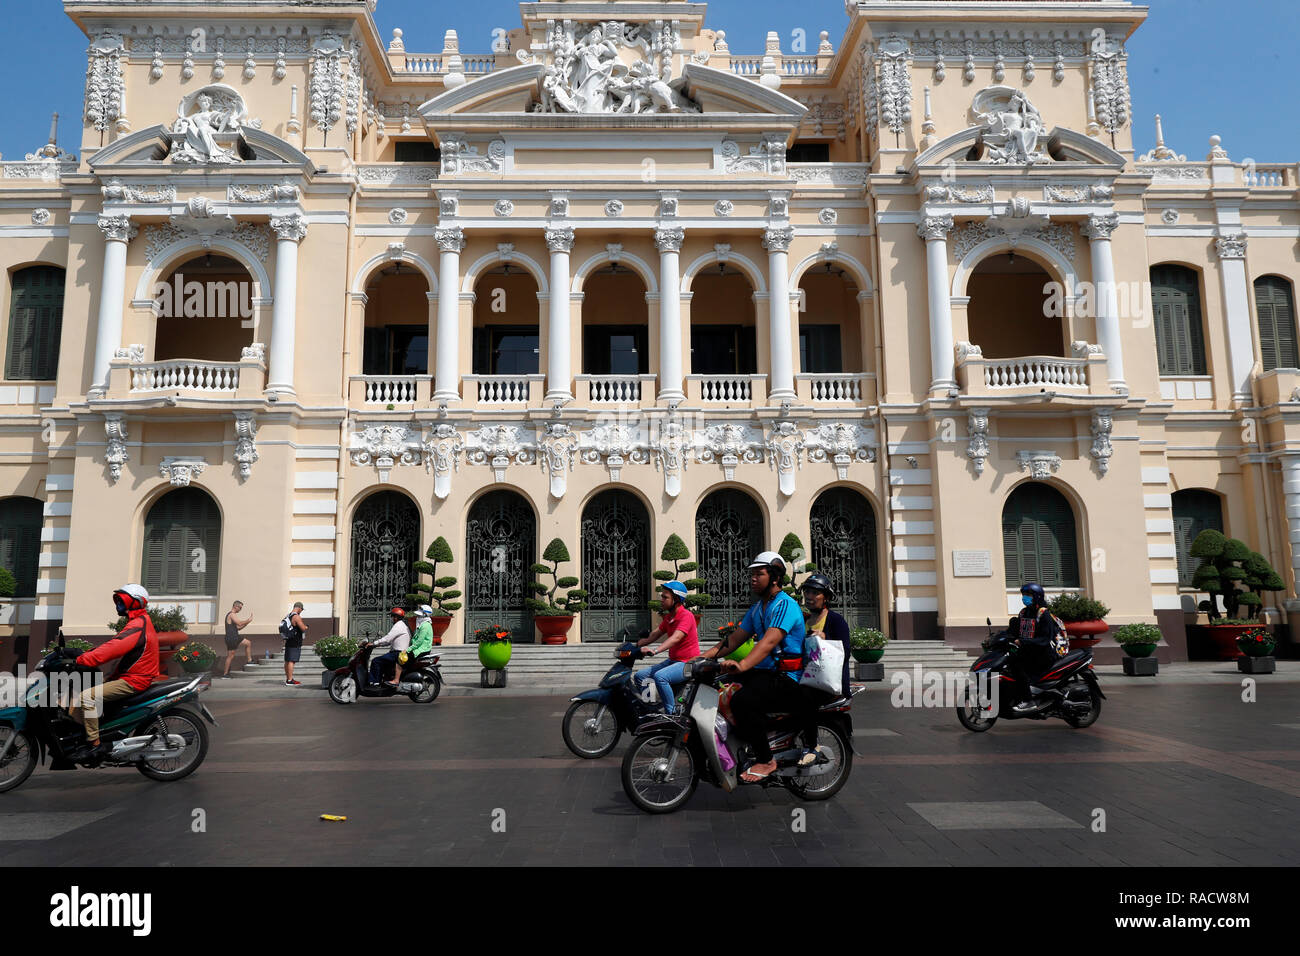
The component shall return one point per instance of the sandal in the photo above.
(808, 758)
(758, 777)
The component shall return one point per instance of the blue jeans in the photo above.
(377, 666)
(665, 674)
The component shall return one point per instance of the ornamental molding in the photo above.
(1182, 175)
(965, 350)
(334, 86)
(778, 239)
(1100, 226)
(1058, 193)
(131, 353)
(616, 445)
(560, 240)
(729, 444)
(499, 445)
(724, 208)
(767, 157)
(558, 451)
(245, 443)
(842, 444)
(1041, 465)
(450, 240)
(1012, 130)
(977, 448)
(1231, 246)
(585, 72)
(386, 446)
(888, 71)
(825, 117)
(961, 194)
(117, 228)
(106, 83)
(459, 157)
(263, 192)
(41, 216)
(504, 208)
(671, 449)
(934, 227)
(1110, 86)
(396, 174)
(448, 206)
(1082, 350)
(828, 216)
(397, 215)
(208, 125)
(152, 193)
(785, 444)
(442, 452)
(181, 471)
(255, 238)
(969, 235)
(1102, 426)
(290, 228)
(829, 174)
(614, 208)
(670, 239)
(115, 454)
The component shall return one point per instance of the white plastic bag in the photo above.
(824, 665)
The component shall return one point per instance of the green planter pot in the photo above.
(1139, 650)
(494, 655)
(868, 655)
(1252, 649)
(197, 667)
(334, 663)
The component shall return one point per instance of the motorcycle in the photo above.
(596, 719)
(159, 731)
(421, 679)
(1069, 688)
(673, 752)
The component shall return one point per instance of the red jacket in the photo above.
(137, 646)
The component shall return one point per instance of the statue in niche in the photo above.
(588, 76)
(1011, 127)
(203, 117)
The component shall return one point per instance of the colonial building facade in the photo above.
(305, 300)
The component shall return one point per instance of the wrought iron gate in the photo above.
(844, 549)
(500, 547)
(385, 543)
(728, 533)
(615, 565)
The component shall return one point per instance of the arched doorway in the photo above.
(507, 345)
(1039, 543)
(615, 323)
(724, 329)
(500, 547)
(218, 292)
(397, 322)
(1009, 315)
(844, 549)
(385, 544)
(615, 565)
(182, 545)
(728, 533)
(830, 333)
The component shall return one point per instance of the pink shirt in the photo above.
(688, 648)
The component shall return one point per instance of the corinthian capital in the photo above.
(1232, 246)
(778, 239)
(1101, 226)
(670, 239)
(559, 240)
(117, 228)
(292, 227)
(934, 227)
(450, 240)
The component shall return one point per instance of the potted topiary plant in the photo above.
(675, 550)
(195, 657)
(1225, 562)
(554, 615)
(169, 623)
(437, 595)
(867, 644)
(494, 647)
(1082, 616)
(796, 562)
(1138, 640)
(336, 650)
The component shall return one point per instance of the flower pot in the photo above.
(1255, 648)
(494, 655)
(1224, 638)
(1139, 650)
(334, 663)
(868, 655)
(1085, 634)
(168, 641)
(196, 667)
(554, 628)
(439, 625)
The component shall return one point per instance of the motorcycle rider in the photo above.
(398, 640)
(136, 645)
(682, 643)
(1038, 631)
(827, 625)
(776, 623)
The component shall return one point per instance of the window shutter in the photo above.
(1194, 511)
(35, 324)
(20, 541)
(1038, 538)
(1275, 313)
(1176, 305)
(178, 523)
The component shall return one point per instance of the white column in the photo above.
(669, 242)
(118, 231)
(1291, 496)
(1231, 249)
(777, 241)
(558, 377)
(446, 379)
(1098, 229)
(934, 230)
(289, 231)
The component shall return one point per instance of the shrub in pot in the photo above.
(1225, 564)
(675, 550)
(336, 650)
(1082, 615)
(440, 594)
(1257, 642)
(1138, 640)
(796, 562)
(195, 657)
(553, 612)
(867, 644)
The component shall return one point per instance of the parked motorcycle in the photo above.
(159, 731)
(1069, 689)
(596, 719)
(673, 752)
(421, 680)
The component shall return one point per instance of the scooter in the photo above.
(1068, 690)
(673, 752)
(421, 679)
(596, 719)
(159, 731)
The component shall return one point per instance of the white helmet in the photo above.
(766, 560)
(425, 611)
(134, 596)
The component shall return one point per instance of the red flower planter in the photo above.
(554, 630)
(439, 625)
(168, 641)
(1224, 638)
(1085, 634)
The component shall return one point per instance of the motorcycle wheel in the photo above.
(645, 779)
(20, 761)
(971, 715)
(432, 688)
(190, 726)
(823, 786)
(584, 740)
(1090, 718)
(343, 689)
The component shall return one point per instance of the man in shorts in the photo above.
(292, 629)
(233, 641)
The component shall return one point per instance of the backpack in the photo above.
(287, 631)
(1061, 641)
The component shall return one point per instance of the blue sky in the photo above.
(1207, 66)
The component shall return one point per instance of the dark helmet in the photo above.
(819, 582)
(1036, 592)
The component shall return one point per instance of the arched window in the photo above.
(20, 541)
(1275, 311)
(1176, 306)
(1038, 538)
(1195, 510)
(182, 544)
(35, 324)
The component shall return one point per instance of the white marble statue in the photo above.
(200, 118)
(1011, 126)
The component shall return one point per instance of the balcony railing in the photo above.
(186, 378)
(504, 390)
(821, 388)
(638, 390)
(735, 391)
(1085, 374)
(390, 389)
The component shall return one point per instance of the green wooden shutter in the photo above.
(1194, 511)
(1176, 308)
(20, 541)
(1275, 311)
(1038, 538)
(178, 523)
(35, 324)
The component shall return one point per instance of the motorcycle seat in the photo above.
(836, 704)
(158, 688)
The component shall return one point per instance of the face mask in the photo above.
(1026, 600)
